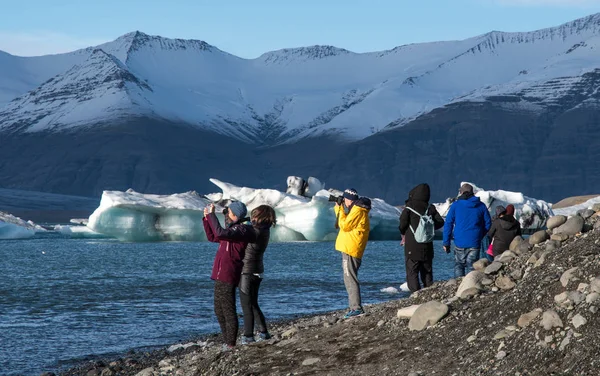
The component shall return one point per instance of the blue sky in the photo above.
(249, 28)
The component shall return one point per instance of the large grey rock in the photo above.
(586, 213)
(310, 361)
(576, 297)
(470, 285)
(505, 283)
(407, 312)
(481, 264)
(559, 237)
(551, 319)
(427, 314)
(556, 221)
(527, 318)
(289, 333)
(523, 247)
(506, 257)
(494, 267)
(539, 237)
(595, 285)
(568, 275)
(561, 298)
(578, 321)
(591, 298)
(515, 243)
(540, 261)
(573, 226)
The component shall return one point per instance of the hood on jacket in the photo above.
(508, 222)
(421, 192)
(470, 200)
(363, 202)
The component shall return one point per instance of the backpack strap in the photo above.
(414, 211)
(409, 225)
(417, 213)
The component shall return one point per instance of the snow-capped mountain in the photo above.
(512, 111)
(290, 94)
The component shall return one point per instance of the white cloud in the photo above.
(43, 43)
(557, 3)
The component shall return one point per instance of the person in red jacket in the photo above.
(228, 264)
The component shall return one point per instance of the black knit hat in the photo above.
(351, 194)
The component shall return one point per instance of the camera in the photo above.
(225, 211)
(337, 199)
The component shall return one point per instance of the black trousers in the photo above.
(249, 285)
(226, 311)
(416, 269)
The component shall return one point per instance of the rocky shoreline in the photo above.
(534, 311)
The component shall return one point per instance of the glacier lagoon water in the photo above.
(65, 300)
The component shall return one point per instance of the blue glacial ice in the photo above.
(12, 227)
(134, 216)
(304, 212)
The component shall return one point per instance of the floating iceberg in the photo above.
(133, 216)
(530, 212)
(12, 227)
(309, 218)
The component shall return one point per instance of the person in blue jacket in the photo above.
(467, 222)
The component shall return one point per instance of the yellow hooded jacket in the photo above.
(354, 230)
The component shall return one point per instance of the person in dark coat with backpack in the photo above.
(504, 230)
(418, 256)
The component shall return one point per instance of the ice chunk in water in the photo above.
(12, 227)
(530, 212)
(133, 216)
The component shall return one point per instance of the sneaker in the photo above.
(226, 348)
(354, 313)
(263, 336)
(247, 340)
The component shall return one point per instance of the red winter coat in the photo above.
(232, 244)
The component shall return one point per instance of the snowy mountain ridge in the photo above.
(290, 94)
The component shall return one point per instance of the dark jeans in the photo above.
(485, 243)
(226, 311)
(414, 269)
(249, 285)
(464, 259)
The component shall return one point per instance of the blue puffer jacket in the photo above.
(467, 222)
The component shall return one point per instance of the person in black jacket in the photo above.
(418, 256)
(504, 230)
(262, 217)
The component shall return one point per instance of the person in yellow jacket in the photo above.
(353, 222)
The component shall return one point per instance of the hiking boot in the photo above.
(247, 340)
(354, 313)
(263, 336)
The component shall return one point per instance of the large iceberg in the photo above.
(530, 212)
(309, 218)
(133, 216)
(12, 227)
